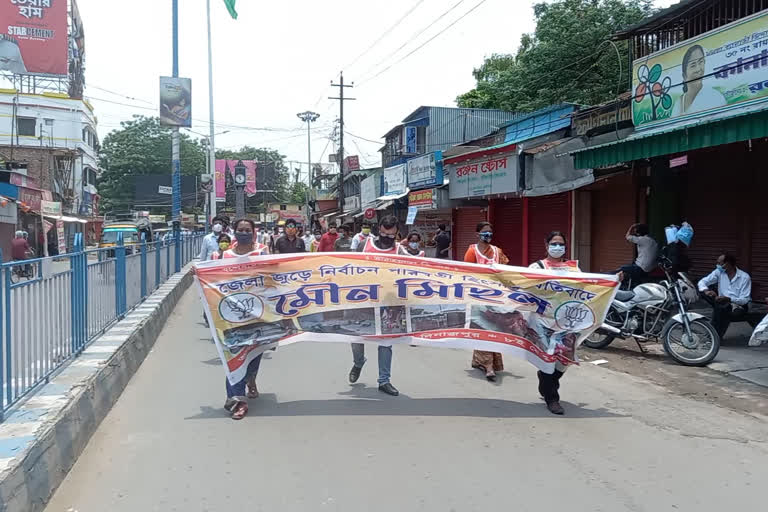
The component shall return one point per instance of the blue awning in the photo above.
(9, 191)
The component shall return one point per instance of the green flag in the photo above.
(231, 8)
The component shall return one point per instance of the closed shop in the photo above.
(507, 218)
(614, 209)
(759, 243)
(546, 214)
(465, 229)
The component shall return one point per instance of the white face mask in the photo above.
(414, 245)
(556, 251)
(217, 228)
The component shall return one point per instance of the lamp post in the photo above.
(309, 117)
(240, 189)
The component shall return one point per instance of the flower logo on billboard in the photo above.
(651, 87)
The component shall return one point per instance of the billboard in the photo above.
(226, 168)
(35, 38)
(176, 102)
(717, 71)
(393, 181)
(425, 171)
(484, 177)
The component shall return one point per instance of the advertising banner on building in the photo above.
(476, 178)
(722, 69)
(176, 102)
(34, 38)
(226, 168)
(393, 181)
(50, 208)
(368, 192)
(425, 171)
(423, 199)
(61, 237)
(254, 304)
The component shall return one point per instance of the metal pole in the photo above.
(309, 149)
(240, 202)
(211, 147)
(176, 141)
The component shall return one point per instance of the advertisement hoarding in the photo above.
(35, 37)
(425, 171)
(716, 71)
(423, 199)
(393, 181)
(50, 208)
(176, 102)
(477, 178)
(368, 190)
(226, 168)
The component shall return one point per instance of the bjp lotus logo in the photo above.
(657, 91)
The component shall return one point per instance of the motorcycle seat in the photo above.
(625, 295)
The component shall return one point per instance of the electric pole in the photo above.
(340, 156)
(175, 146)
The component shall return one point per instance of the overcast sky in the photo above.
(279, 58)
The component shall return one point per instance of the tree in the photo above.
(567, 58)
(141, 147)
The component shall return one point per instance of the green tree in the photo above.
(141, 147)
(565, 59)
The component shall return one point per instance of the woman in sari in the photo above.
(486, 254)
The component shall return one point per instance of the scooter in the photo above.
(654, 312)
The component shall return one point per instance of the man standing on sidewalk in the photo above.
(211, 240)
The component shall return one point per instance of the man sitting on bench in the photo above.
(734, 287)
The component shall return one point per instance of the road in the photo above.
(450, 442)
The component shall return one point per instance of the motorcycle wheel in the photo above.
(598, 340)
(699, 351)
(14, 275)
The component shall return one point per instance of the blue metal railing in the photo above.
(50, 315)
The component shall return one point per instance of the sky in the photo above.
(279, 58)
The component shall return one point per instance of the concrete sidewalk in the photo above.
(740, 360)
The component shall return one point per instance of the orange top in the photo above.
(492, 253)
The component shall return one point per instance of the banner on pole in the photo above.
(257, 303)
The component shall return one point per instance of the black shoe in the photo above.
(354, 374)
(555, 407)
(389, 389)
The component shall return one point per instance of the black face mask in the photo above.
(386, 242)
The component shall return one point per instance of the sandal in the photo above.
(253, 391)
(240, 410)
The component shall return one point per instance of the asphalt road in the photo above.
(450, 442)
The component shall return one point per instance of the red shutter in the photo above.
(546, 214)
(613, 211)
(508, 227)
(465, 229)
(759, 257)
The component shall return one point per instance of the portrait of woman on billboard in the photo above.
(696, 97)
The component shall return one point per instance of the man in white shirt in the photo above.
(360, 238)
(647, 252)
(734, 288)
(211, 240)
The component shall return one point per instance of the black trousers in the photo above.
(724, 314)
(549, 384)
(634, 273)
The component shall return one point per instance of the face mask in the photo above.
(317, 237)
(280, 230)
(244, 238)
(556, 250)
(366, 231)
(217, 228)
(720, 268)
(414, 245)
(223, 246)
(386, 242)
(486, 236)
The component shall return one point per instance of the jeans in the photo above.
(238, 390)
(724, 314)
(385, 360)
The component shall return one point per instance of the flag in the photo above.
(231, 8)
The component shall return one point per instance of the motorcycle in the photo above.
(654, 312)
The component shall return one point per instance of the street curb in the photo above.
(42, 439)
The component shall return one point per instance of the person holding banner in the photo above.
(384, 244)
(549, 384)
(486, 254)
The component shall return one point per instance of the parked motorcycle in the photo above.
(658, 312)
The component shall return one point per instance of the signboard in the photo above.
(187, 218)
(368, 193)
(176, 102)
(34, 38)
(30, 197)
(677, 162)
(410, 139)
(61, 237)
(351, 203)
(351, 163)
(604, 116)
(201, 219)
(50, 208)
(370, 213)
(412, 211)
(162, 189)
(423, 199)
(716, 71)
(157, 219)
(493, 175)
(258, 303)
(425, 171)
(393, 181)
(225, 168)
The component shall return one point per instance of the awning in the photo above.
(384, 205)
(66, 218)
(735, 125)
(334, 212)
(392, 197)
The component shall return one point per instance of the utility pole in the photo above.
(212, 146)
(309, 117)
(175, 147)
(340, 156)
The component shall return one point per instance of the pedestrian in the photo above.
(328, 240)
(411, 245)
(360, 238)
(344, 242)
(555, 246)
(224, 243)
(486, 254)
(237, 394)
(443, 243)
(384, 244)
(210, 241)
(289, 242)
(730, 302)
(308, 237)
(314, 246)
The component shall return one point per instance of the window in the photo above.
(283, 207)
(49, 122)
(91, 177)
(26, 126)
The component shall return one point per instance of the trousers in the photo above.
(549, 385)
(385, 360)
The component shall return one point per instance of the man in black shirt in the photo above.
(443, 241)
(289, 242)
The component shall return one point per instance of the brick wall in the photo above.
(37, 160)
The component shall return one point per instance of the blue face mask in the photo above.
(720, 268)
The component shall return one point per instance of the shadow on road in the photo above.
(476, 374)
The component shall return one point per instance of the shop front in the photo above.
(433, 209)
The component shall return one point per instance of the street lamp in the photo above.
(309, 117)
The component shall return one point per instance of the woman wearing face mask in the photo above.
(411, 246)
(486, 254)
(237, 394)
(549, 384)
(224, 242)
(314, 246)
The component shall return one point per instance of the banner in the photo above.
(717, 71)
(426, 170)
(50, 208)
(257, 303)
(226, 168)
(35, 36)
(176, 101)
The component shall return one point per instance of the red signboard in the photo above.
(30, 197)
(35, 36)
(351, 163)
(370, 213)
(422, 199)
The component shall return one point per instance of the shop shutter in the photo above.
(464, 229)
(508, 227)
(613, 211)
(759, 257)
(546, 214)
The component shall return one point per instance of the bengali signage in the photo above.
(351, 203)
(476, 178)
(50, 208)
(716, 71)
(35, 37)
(176, 101)
(257, 303)
(423, 199)
(351, 163)
(30, 197)
(368, 193)
(61, 237)
(157, 219)
(425, 171)
(393, 181)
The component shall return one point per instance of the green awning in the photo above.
(708, 132)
